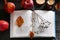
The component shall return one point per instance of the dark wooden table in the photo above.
(5, 16)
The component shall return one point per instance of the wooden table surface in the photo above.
(5, 16)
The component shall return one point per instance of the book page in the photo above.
(44, 23)
(25, 26)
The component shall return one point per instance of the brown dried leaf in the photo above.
(31, 34)
(19, 21)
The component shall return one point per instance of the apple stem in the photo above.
(5, 1)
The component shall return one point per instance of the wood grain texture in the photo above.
(6, 35)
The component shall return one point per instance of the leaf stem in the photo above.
(5, 1)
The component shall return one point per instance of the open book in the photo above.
(42, 23)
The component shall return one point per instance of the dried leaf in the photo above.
(31, 34)
(19, 21)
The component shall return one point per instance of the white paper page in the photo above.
(49, 16)
(24, 30)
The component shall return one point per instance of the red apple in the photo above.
(3, 25)
(9, 7)
(57, 6)
(27, 4)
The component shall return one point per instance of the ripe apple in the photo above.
(57, 6)
(3, 25)
(27, 4)
(9, 7)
